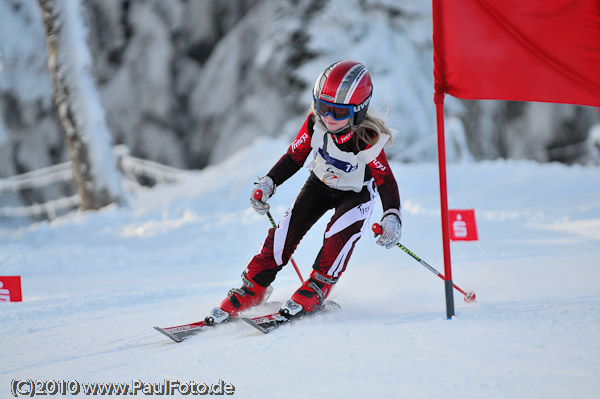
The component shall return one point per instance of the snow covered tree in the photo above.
(80, 112)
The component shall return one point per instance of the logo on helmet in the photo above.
(326, 97)
(362, 106)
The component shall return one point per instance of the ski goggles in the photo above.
(339, 112)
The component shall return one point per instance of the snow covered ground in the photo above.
(94, 284)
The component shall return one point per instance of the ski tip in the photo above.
(255, 325)
(173, 337)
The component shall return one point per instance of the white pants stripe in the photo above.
(280, 237)
(338, 264)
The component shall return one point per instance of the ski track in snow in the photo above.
(94, 284)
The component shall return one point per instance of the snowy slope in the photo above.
(94, 285)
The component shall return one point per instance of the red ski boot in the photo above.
(238, 300)
(310, 296)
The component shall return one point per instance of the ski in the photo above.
(267, 323)
(179, 333)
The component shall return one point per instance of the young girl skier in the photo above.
(348, 170)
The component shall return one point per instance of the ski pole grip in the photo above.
(258, 195)
(377, 228)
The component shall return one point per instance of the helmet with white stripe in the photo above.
(345, 83)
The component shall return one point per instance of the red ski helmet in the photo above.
(343, 90)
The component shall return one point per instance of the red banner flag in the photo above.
(523, 50)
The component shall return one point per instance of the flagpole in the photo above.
(439, 109)
(440, 87)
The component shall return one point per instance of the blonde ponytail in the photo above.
(371, 128)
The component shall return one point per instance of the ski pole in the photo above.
(257, 196)
(469, 296)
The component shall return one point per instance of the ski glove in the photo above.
(267, 187)
(391, 226)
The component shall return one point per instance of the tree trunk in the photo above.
(80, 112)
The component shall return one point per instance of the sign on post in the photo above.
(462, 225)
(10, 289)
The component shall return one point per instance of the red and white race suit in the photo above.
(346, 175)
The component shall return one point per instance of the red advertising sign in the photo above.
(10, 289)
(462, 225)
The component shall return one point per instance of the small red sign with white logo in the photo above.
(462, 225)
(10, 289)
